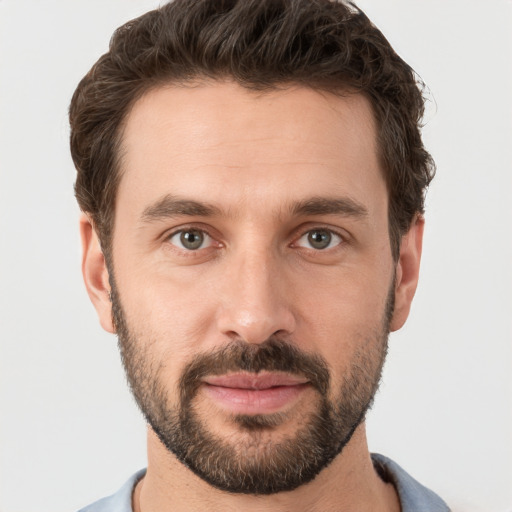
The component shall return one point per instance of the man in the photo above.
(252, 178)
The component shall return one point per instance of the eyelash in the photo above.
(332, 232)
(299, 236)
(185, 229)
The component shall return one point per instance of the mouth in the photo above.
(255, 393)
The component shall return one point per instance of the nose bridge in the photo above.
(255, 306)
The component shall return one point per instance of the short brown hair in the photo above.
(260, 44)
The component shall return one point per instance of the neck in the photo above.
(349, 483)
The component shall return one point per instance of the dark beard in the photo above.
(258, 464)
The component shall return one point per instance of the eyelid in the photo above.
(299, 233)
(180, 229)
(206, 242)
(344, 238)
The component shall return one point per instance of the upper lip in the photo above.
(255, 381)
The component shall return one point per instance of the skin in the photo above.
(253, 157)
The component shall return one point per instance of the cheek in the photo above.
(351, 299)
(346, 316)
(170, 317)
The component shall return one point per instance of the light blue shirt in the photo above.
(413, 496)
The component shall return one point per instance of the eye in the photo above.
(319, 239)
(191, 239)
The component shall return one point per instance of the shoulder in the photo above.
(121, 501)
(413, 496)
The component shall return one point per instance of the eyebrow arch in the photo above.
(170, 206)
(330, 206)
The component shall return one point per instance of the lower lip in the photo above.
(255, 401)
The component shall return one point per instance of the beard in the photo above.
(256, 461)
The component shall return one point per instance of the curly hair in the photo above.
(260, 44)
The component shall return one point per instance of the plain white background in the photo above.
(70, 432)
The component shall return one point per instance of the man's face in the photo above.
(253, 281)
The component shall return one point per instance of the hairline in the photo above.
(200, 80)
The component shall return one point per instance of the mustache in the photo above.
(272, 355)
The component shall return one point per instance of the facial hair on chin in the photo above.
(257, 464)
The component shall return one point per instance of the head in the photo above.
(261, 45)
(253, 179)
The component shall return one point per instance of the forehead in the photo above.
(223, 143)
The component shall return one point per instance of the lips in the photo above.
(261, 393)
(255, 381)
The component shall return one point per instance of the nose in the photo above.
(255, 302)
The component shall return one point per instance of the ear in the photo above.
(95, 273)
(407, 272)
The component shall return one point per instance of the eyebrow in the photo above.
(171, 206)
(330, 206)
